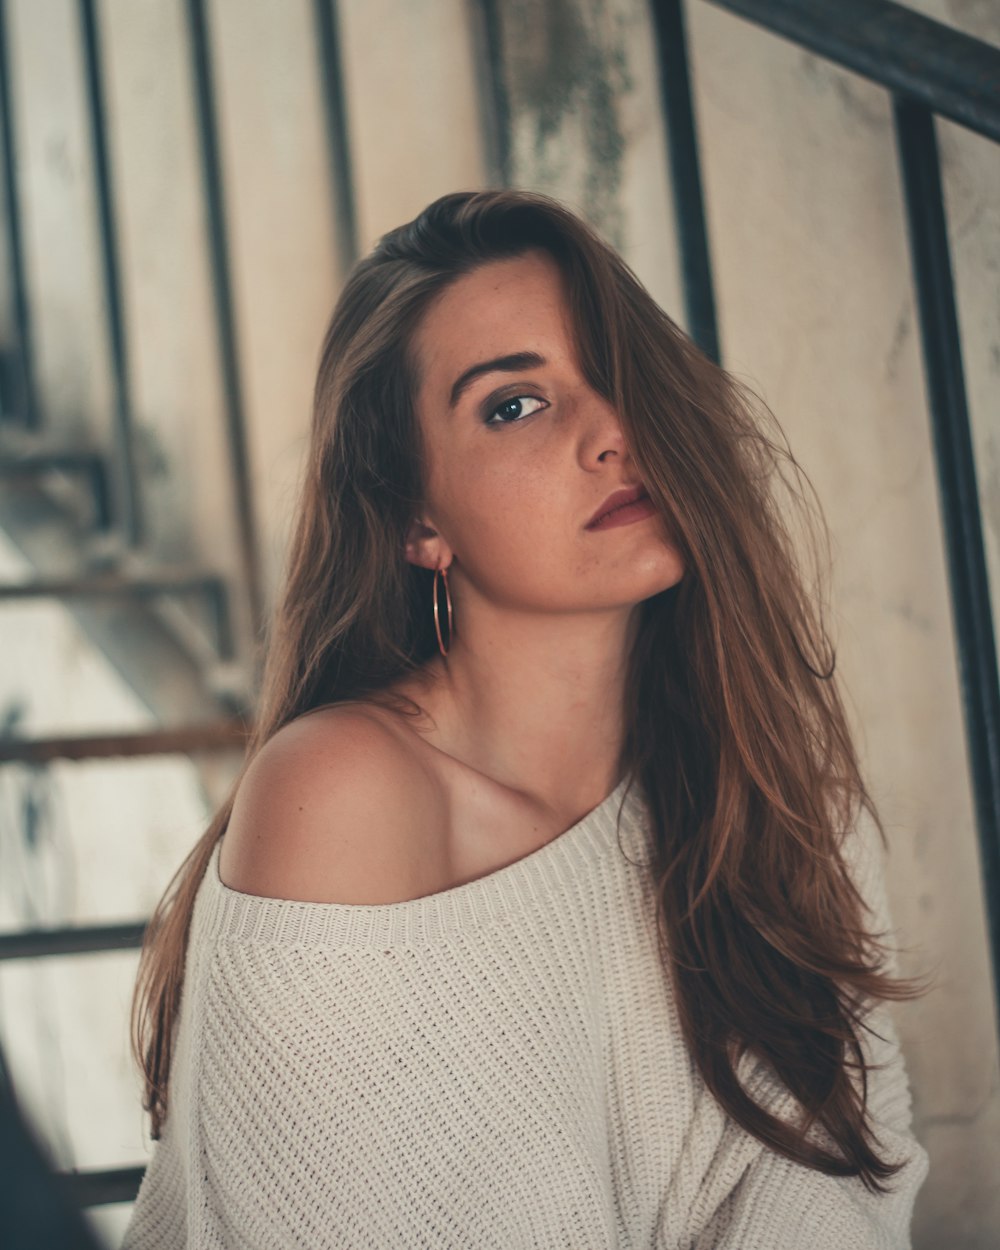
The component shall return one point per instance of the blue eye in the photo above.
(515, 408)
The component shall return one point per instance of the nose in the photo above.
(604, 435)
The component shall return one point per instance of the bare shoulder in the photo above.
(337, 807)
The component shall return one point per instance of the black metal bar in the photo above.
(95, 1189)
(73, 940)
(214, 736)
(682, 154)
(127, 494)
(166, 582)
(225, 314)
(26, 397)
(337, 133)
(922, 60)
(218, 600)
(957, 487)
(99, 493)
(494, 101)
(41, 461)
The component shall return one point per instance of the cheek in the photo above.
(502, 514)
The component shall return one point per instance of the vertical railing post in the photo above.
(494, 102)
(957, 487)
(331, 67)
(127, 495)
(225, 315)
(685, 175)
(20, 395)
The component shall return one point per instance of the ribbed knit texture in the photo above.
(497, 1066)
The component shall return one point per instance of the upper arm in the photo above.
(333, 808)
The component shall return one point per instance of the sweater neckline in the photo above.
(535, 883)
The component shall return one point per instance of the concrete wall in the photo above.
(816, 311)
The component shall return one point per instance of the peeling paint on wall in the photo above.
(565, 71)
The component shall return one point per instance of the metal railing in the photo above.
(929, 69)
(31, 453)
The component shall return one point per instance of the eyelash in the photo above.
(512, 399)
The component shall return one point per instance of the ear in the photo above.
(425, 546)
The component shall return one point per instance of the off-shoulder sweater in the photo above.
(497, 1066)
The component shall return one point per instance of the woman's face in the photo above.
(521, 452)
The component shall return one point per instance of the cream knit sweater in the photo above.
(497, 1066)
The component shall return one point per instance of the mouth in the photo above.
(620, 499)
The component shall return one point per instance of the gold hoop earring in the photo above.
(447, 595)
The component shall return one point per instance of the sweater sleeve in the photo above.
(782, 1205)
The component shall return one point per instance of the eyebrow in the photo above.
(500, 364)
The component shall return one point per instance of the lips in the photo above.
(618, 500)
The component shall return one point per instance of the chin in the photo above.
(664, 570)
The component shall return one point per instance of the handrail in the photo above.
(949, 72)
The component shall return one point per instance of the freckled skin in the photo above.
(509, 504)
(522, 725)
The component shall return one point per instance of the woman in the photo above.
(547, 906)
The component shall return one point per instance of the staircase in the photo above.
(178, 634)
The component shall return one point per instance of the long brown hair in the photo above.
(734, 723)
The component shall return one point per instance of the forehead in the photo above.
(502, 307)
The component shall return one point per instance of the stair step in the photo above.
(211, 736)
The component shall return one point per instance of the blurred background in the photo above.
(811, 189)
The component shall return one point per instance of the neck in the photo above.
(535, 702)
